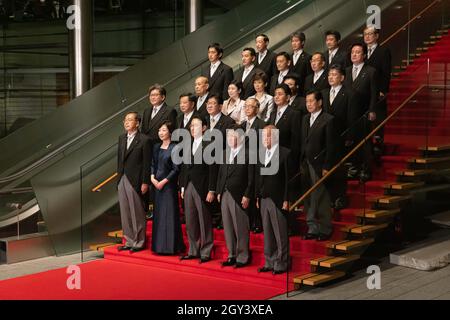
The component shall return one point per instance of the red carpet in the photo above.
(111, 280)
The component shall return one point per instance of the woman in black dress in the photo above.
(166, 232)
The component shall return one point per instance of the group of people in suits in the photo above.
(293, 111)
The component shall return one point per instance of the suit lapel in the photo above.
(216, 74)
(158, 116)
(316, 123)
(132, 145)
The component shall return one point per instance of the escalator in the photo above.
(65, 154)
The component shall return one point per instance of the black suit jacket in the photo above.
(321, 83)
(256, 128)
(299, 105)
(343, 109)
(150, 126)
(224, 123)
(134, 162)
(180, 121)
(302, 68)
(341, 58)
(202, 175)
(380, 59)
(268, 64)
(202, 112)
(319, 142)
(238, 179)
(365, 88)
(288, 127)
(274, 186)
(248, 89)
(218, 83)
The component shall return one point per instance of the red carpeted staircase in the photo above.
(424, 114)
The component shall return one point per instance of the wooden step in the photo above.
(390, 199)
(429, 160)
(116, 234)
(422, 49)
(415, 173)
(349, 245)
(101, 246)
(364, 229)
(314, 279)
(429, 43)
(404, 185)
(436, 148)
(331, 261)
(377, 214)
(435, 37)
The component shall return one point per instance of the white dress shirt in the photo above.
(334, 92)
(249, 123)
(261, 56)
(313, 118)
(296, 55)
(269, 154)
(156, 110)
(201, 100)
(280, 112)
(233, 153)
(331, 54)
(187, 117)
(318, 74)
(214, 67)
(371, 50)
(197, 142)
(130, 138)
(357, 70)
(214, 119)
(282, 75)
(247, 71)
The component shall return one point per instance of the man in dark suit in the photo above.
(318, 80)
(283, 62)
(202, 94)
(271, 192)
(198, 182)
(363, 80)
(218, 73)
(246, 74)
(253, 127)
(158, 113)
(235, 189)
(287, 121)
(187, 108)
(380, 58)
(300, 59)
(265, 59)
(335, 54)
(133, 168)
(338, 101)
(297, 102)
(317, 158)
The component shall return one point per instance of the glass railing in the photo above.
(387, 209)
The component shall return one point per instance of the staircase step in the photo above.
(314, 279)
(364, 229)
(404, 185)
(101, 246)
(389, 199)
(349, 245)
(331, 261)
(116, 234)
(377, 214)
(415, 173)
(436, 148)
(430, 160)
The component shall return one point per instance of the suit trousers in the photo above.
(317, 205)
(198, 223)
(236, 228)
(132, 214)
(276, 238)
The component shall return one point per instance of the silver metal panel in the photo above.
(29, 247)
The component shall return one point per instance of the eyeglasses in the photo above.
(369, 33)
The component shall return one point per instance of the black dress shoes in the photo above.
(204, 259)
(189, 257)
(310, 236)
(123, 248)
(241, 264)
(275, 272)
(323, 237)
(265, 269)
(132, 250)
(230, 262)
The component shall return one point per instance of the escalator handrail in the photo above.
(52, 154)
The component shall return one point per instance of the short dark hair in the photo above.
(191, 97)
(336, 34)
(160, 88)
(168, 124)
(137, 116)
(265, 37)
(216, 97)
(216, 46)
(284, 54)
(338, 68)
(292, 76)
(322, 56)
(200, 118)
(238, 84)
(261, 76)
(359, 44)
(285, 88)
(317, 94)
(251, 50)
(300, 35)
